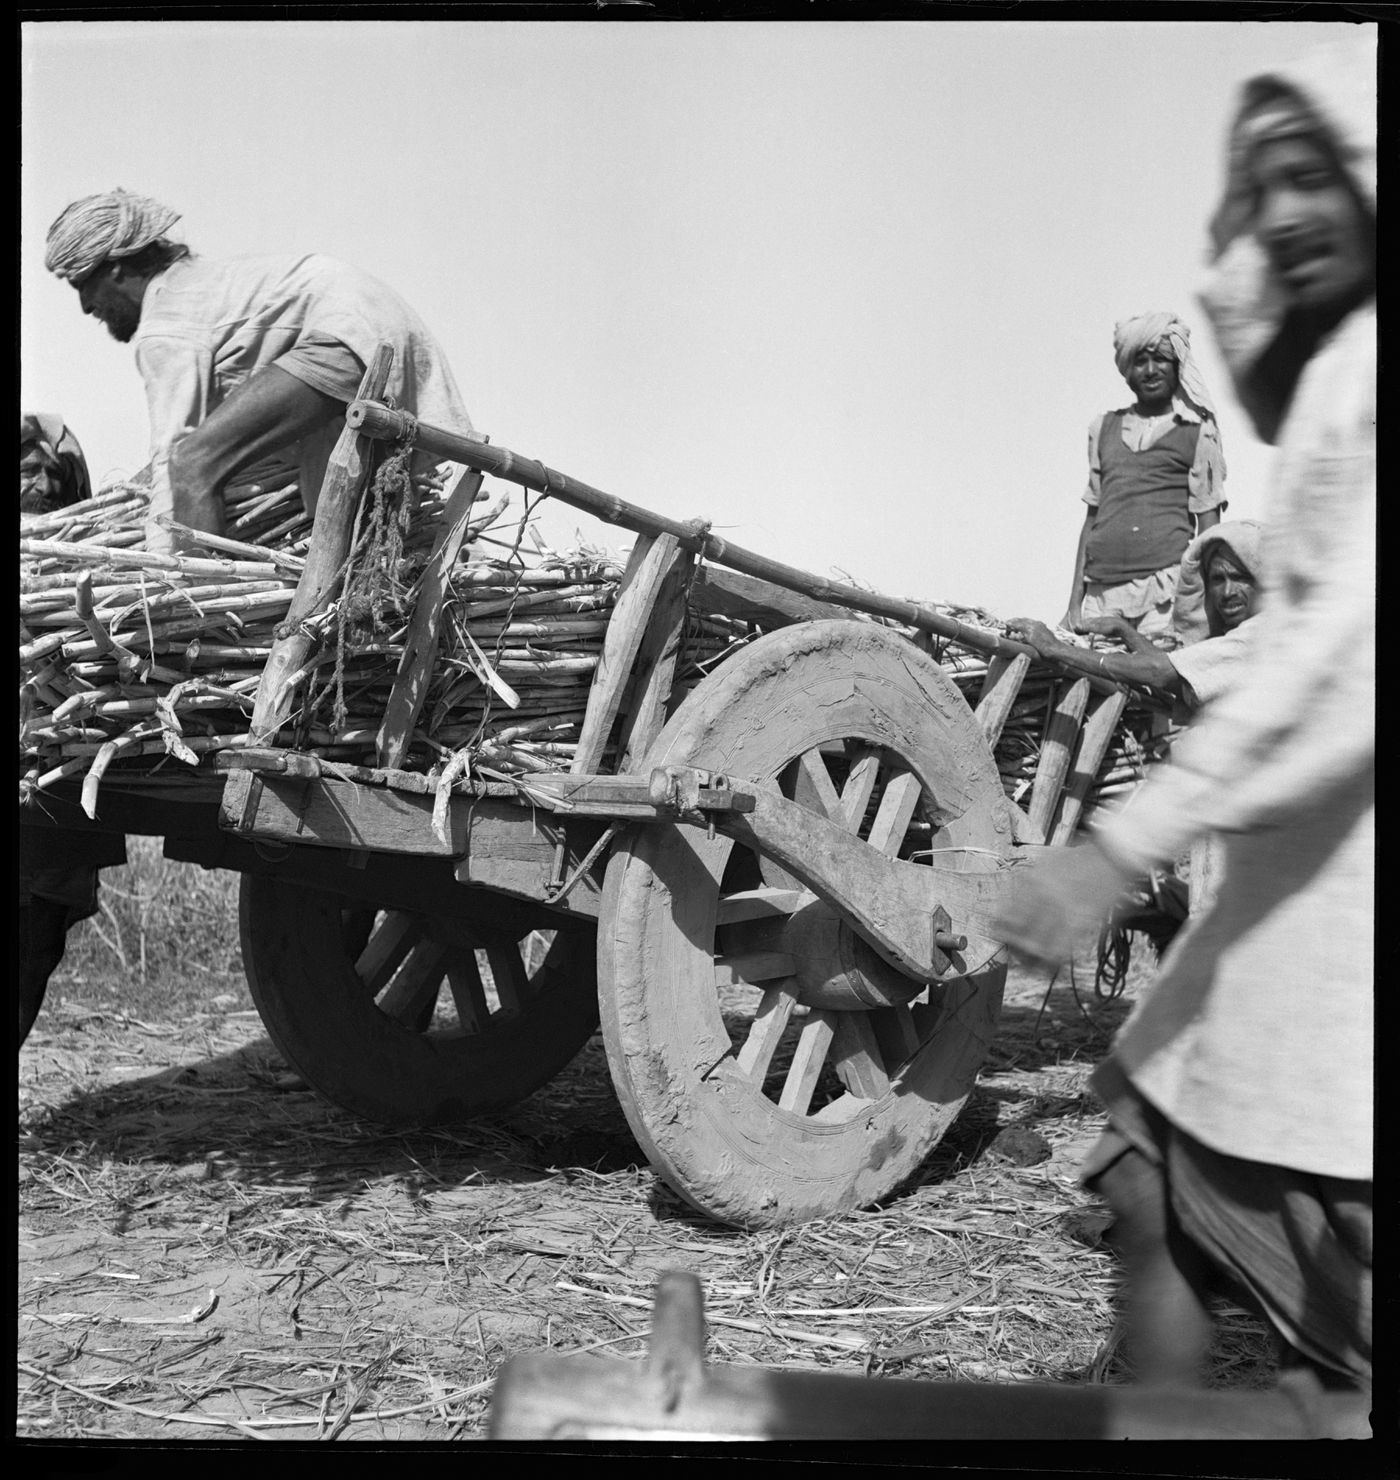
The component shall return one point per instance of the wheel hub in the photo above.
(836, 969)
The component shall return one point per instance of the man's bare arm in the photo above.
(1153, 668)
(266, 414)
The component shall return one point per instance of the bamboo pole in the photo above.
(371, 419)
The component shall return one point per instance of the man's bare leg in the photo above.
(264, 415)
(1166, 1325)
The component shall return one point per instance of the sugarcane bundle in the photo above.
(131, 658)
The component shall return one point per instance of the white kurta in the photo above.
(207, 325)
(1257, 1038)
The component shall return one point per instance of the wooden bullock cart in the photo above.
(780, 894)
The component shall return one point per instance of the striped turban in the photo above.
(100, 227)
(1133, 335)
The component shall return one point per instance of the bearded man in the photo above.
(245, 359)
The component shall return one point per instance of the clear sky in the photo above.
(845, 289)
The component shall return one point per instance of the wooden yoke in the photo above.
(347, 474)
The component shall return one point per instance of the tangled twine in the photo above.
(375, 586)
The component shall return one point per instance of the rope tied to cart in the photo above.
(375, 584)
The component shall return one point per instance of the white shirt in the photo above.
(207, 325)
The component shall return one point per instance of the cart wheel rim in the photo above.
(770, 1113)
(408, 1018)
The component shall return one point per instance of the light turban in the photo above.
(1244, 538)
(1330, 95)
(100, 227)
(1132, 335)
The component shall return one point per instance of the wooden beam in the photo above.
(1099, 729)
(1061, 736)
(420, 645)
(1005, 674)
(636, 600)
(346, 476)
(726, 593)
(644, 704)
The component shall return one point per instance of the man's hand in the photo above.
(1062, 899)
(1028, 630)
(429, 481)
(1109, 626)
(1073, 620)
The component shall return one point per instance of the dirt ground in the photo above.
(209, 1252)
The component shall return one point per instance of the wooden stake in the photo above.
(999, 690)
(421, 645)
(641, 583)
(1060, 738)
(644, 707)
(1098, 731)
(346, 477)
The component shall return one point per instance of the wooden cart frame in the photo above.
(780, 899)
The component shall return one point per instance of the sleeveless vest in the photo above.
(1143, 524)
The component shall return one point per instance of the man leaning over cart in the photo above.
(1239, 1147)
(1227, 561)
(244, 359)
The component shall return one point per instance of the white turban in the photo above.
(1244, 538)
(99, 227)
(1132, 335)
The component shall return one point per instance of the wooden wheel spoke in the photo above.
(398, 1055)
(900, 1033)
(754, 966)
(391, 942)
(757, 904)
(814, 788)
(468, 995)
(807, 1061)
(856, 1056)
(508, 973)
(769, 1022)
(896, 812)
(414, 990)
(859, 788)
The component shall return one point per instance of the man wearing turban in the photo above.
(1156, 478)
(53, 472)
(1240, 1093)
(1225, 561)
(244, 359)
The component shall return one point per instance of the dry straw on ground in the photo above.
(206, 1255)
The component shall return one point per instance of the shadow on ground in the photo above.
(232, 1116)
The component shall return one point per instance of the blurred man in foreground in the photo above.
(244, 359)
(1239, 1094)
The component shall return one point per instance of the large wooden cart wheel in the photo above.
(760, 1108)
(414, 1019)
